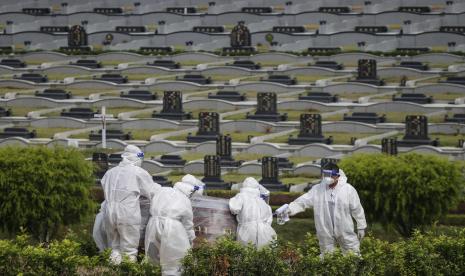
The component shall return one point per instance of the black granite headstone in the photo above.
(416, 132)
(172, 107)
(77, 36)
(224, 151)
(241, 41)
(209, 128)
(310, 131)
(366, 72)
(267, 108)
(270, 174)
(389, 146)
(100, 159)
(212, 174)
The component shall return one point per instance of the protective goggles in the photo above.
(140, 155)
(331, 173)
(196, 188)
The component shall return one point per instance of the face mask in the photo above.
(327, 181)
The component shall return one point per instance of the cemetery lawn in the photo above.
(145, 114)
(117, 110)
(49, 132)
(339, 138)
(236, 136)
(113, 62)
(87, 91)
(191, 156)
(6, 89)
(445, 96)
(145, 134)
(391, 117)
(21, 111)
(62, 76)
(445, 140)
(293, 115)
(311, 78)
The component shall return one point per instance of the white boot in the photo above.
(115, 257)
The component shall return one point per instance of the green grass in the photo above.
(49, 132)
(339, 138)
(236, 136)
(311, 78)
(22, 111)
(117, 110)
(445, 140)
(193, 156)
(293, 115)
(62, 76)
(445, 96)
(145, 134)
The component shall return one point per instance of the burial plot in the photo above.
(172, 107)
(413, 98)
(162, 180)
(366, 72)
(224, 151)
(171, 160)
(209, 128)
(329, 64)
(365, 117)
(212, 174)
(232, 96)
(156, 50)
(414, 65)
(389, 146)
(77, 40)
(270, 175)
(322, 97)
(57, 94)
(257, 10)
(289, 29)
(110, 134)
(37, 78)
(416, 132)
(17, 132)
(88, 63)
(5, 112)
(456, 118)
(334, 9)
(454, 80)
(79, 112)
(142, 95)
(195, 78)
(241, 41)
(13, 62)
(100, 159)
(267, 108)
(54, 29)
(208, 29)
(169, 64)
(116, 78)
(324, 50)
(282, 79)
(248, 64)
(310, 131)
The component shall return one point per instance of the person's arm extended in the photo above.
(303, 202)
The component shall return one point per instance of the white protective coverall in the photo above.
(254, 216)
(170, 231)
(347, 205)
(98, 232)
(122, 187)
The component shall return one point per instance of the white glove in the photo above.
(360, 234)
(282, 210)
(282, 214)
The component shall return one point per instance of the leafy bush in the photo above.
(42, 189)
(408, 191)
(19, 257)
(420, 255)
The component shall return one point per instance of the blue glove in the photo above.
(262, 196)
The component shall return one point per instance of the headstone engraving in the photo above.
(209, 128)
(172, 107)
(416, 132)
(310, 131)
(270, 174)
(267, 108)
(212, 173)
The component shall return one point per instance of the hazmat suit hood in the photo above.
(342, 179)
(192, 180)
(184, 188)
(132, 155)
(251, 183)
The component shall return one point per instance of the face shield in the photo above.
(329, 176)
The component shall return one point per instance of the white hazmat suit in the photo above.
(346, 206)
(254, 216)
(170, 231)
(99, 234)
(122, 186)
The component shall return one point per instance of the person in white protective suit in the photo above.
(254, 215)
(170, 232)
(335, 202)
(122, 187)
(98, 232)
(192, 180)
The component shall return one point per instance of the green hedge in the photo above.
(423, 254)
(420, 255)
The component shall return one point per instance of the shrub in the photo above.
(42, 189)
(408, 191)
